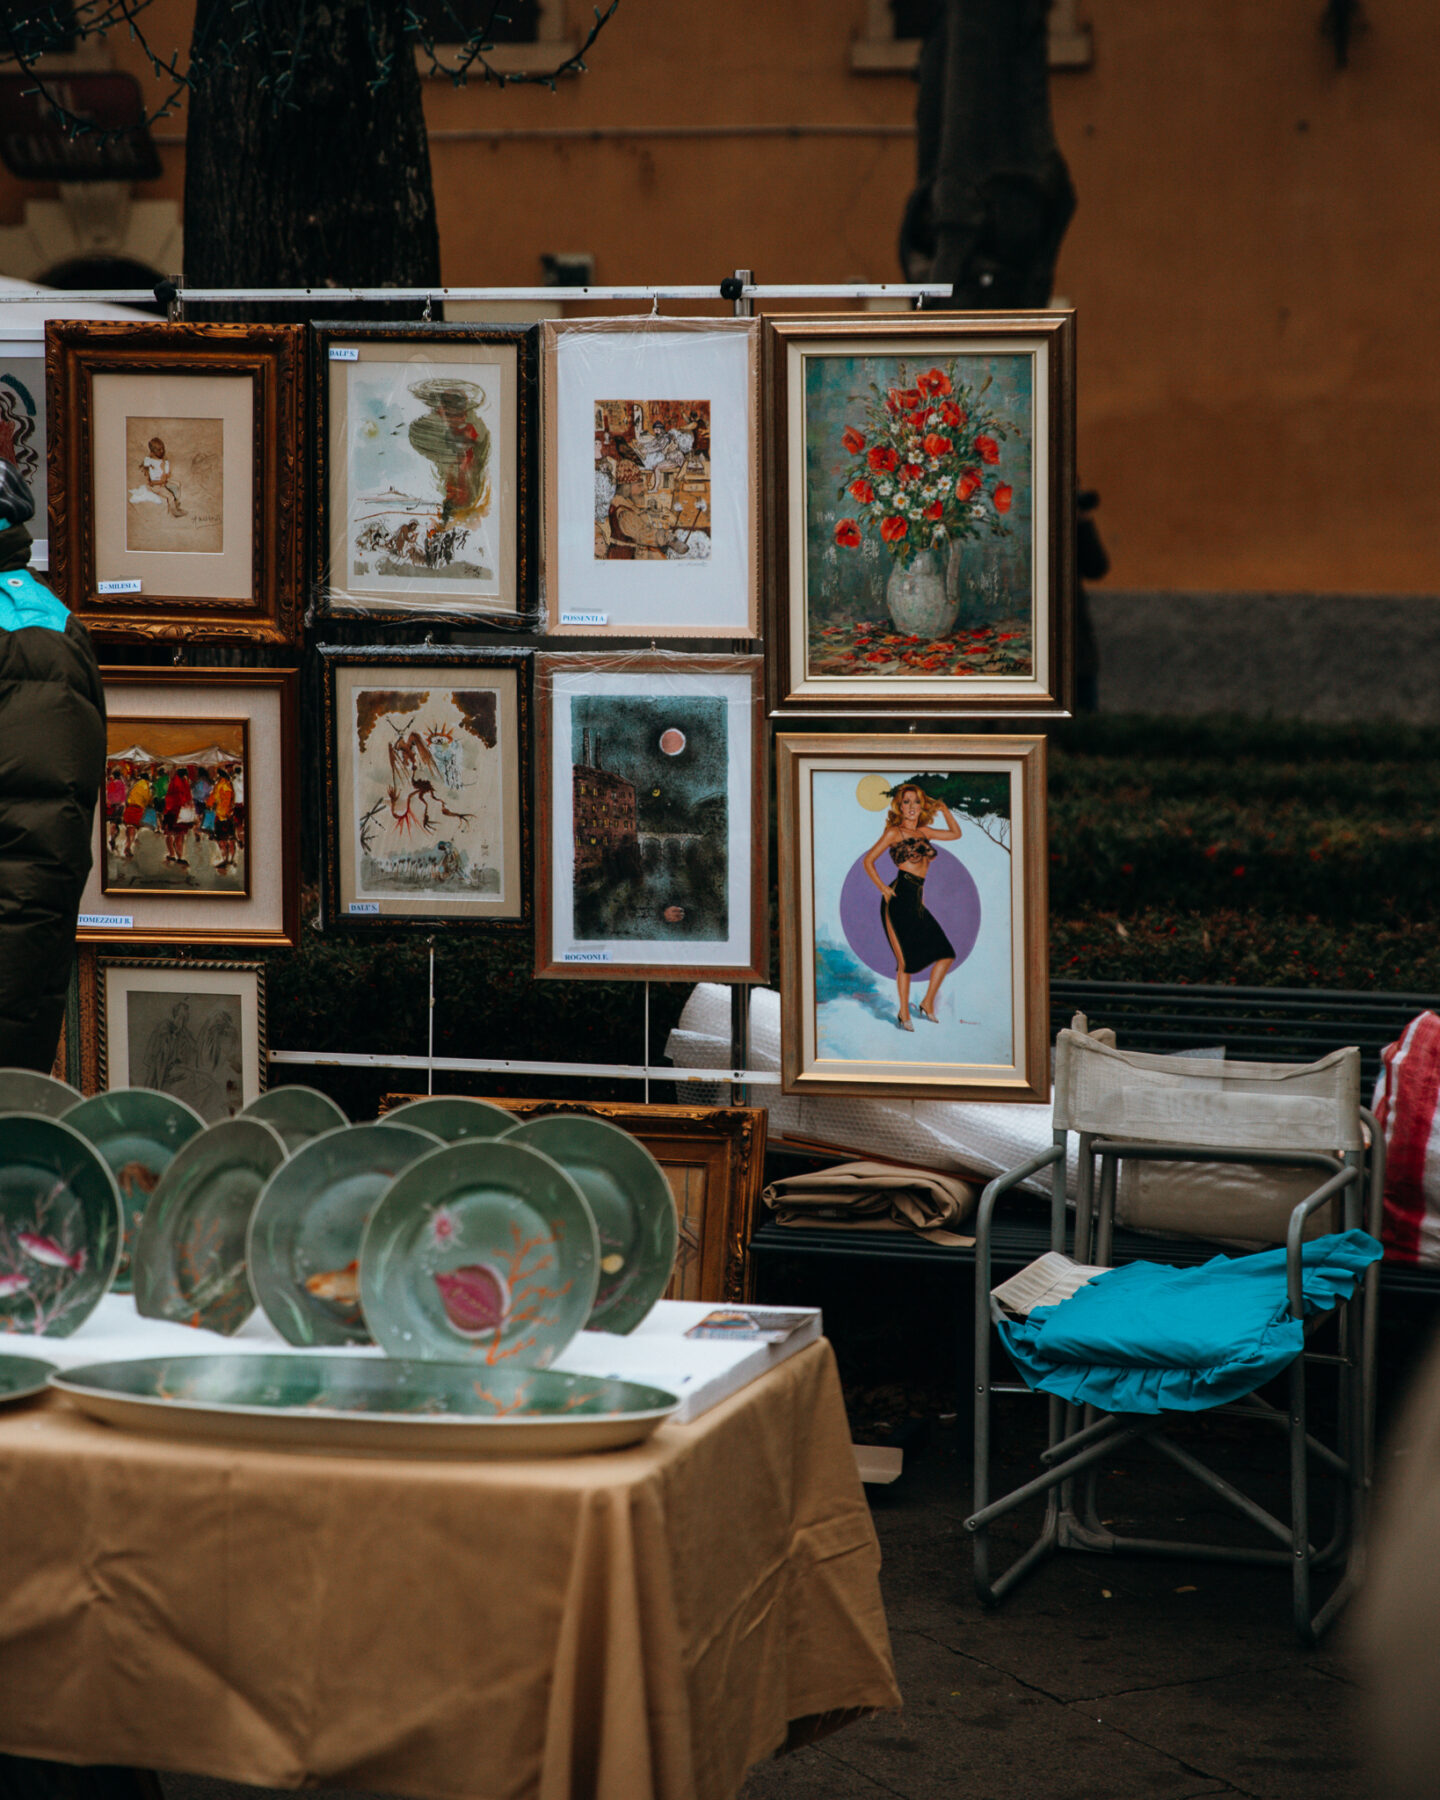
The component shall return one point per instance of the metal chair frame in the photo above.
(1080, 1437)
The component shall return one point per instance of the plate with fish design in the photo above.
(189, 1257)
(368, 1403)
(297, 1113)
(137, 1131)
(303, 1248)
(483, 1252)
(60, 1226)
(23, 1376)
(634, 1211)
(451, 1117)
(25, 1090)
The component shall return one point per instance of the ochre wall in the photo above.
(1254, 257)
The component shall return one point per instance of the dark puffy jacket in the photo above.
(52, 761)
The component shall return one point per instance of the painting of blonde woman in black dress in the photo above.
(913, 916)
(916, 937)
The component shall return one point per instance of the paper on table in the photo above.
(1047, 1281)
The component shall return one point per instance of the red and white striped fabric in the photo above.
(1407, 1104)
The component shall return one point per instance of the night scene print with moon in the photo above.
(651, 818)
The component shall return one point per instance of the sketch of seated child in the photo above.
(156, 487)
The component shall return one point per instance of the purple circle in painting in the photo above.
(950, 895)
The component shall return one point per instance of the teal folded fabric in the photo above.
(1147, 1338)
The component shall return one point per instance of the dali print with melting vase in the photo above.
(176, 807)
(913, 917)
(422, 488)
(651, 817)
(428, 793)
(919, 511)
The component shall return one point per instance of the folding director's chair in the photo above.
(1259, 1152)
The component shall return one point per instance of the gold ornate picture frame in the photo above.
(176, 456)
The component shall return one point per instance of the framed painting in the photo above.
(651, 863)
(22, 424)
(424, 476)
(175, 457)
(192, 1029)
(913, 957)
(714, 1160)
(426, 815)
(652, 456)
(922, 505)
(197, 833)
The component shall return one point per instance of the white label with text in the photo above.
(117, 587)
(584, 618)
(364, 906)
(586, 956)
(106, 921)
(341, 353)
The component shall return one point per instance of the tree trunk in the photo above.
(993, 195)
(328, 186)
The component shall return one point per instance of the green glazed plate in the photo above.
(22, 1090)
(189, 1260)
(303, 1248)
(137, 1131)
(451, 1117)
(368, 1403)
(634, 1210)
(22, 1376)
(483, 1252)
(297, 1113)
(60, 1226)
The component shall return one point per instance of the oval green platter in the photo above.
(189, 1257)
(23, 1376)
(25, 1091)
(634, 1211)
(483, 1252)
(297, 1113)
(60, 1226)
(371, 1404)
(453, 1117)
(303, 1247)
(137, 1131)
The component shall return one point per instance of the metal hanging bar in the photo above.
(344, 296)
(498, 1065)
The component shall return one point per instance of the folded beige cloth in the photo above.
(876, 1195)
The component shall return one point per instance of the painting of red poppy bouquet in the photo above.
(928, 468)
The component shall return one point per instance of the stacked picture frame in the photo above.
(665, 553)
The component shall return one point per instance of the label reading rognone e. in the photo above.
(344, 353)
(106, 921)
(589, 956)
(364, 906)
(584, 618)
(117, 587)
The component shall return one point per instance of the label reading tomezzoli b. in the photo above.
(106, 921)
(590, 956)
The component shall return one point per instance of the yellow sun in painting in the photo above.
(873, 793)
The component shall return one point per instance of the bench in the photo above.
(1254, 1025)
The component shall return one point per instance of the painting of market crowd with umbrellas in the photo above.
(176, 807)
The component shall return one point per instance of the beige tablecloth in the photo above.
(641, 1625)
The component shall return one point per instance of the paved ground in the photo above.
(1097, 1680)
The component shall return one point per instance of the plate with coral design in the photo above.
(60, 1226)
(483, 1252)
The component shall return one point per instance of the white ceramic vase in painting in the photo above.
(919, 599)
